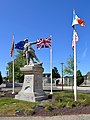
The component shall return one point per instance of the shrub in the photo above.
(57, 98)
(80, 78)
(48, 107)
(61, 105)
(70, 104)
(85, 102)
(30, 112)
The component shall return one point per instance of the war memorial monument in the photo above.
(32, 89)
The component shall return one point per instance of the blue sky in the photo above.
(35, 19)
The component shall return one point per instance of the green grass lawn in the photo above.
(9, 106)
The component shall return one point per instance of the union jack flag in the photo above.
(44, 42)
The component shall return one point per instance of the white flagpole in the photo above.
(13, 77)
(75, 80)
(13, 72)
(51, 68)
(51, 65)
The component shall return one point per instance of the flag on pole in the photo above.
(20, 45)
(12, 47)
(72, 44)
(75, 37)
(44, 42)
(77, 20)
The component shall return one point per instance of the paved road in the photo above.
(85, 89)
(65, 117)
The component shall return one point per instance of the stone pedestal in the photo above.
(32, 89)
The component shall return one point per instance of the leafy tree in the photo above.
(69, 69)
(1, 79)
(80, 78)
(55, 73)
(19, 62)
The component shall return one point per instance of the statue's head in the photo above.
(26, 40)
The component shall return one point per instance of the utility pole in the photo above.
(62, 75)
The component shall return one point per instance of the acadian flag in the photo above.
(77, 20)
(12, 47)
(44, 42)
(75, 37)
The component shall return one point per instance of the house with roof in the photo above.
(67, 80)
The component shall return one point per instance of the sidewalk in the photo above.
(65, 117)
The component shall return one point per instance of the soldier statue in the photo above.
(29, 52)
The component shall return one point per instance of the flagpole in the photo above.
(81, 22)
(51, 65)
(13, 72)
(13, 78)
(51, 68)
(48, 41)
(75, 81)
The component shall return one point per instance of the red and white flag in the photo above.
(12, 47)
(75, 37)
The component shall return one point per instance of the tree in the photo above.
(19, 62)
(80, 78)
(1, 79)
(69, 69)
(55, 73)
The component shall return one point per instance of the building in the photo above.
(67, 80)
